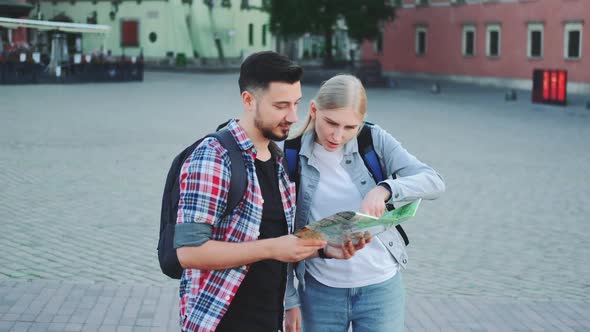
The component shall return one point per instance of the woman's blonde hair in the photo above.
(339, 91)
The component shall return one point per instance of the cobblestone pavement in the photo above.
(42, 305)
(83, 166)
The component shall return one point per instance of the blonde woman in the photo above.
(365, 291)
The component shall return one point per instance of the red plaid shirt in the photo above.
(205, 295)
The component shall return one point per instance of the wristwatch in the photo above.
(322, 254)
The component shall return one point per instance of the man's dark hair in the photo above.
(262, 68)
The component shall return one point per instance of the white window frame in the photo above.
(469, 28)
(489, 29)
(572, 26)
(420, 29)
(530, 28)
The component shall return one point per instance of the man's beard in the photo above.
(267, 132)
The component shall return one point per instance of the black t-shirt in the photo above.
(258, 304)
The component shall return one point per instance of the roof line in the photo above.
(49, 25)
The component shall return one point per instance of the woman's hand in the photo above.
(374, 202)
(293, 320)
(348, 249)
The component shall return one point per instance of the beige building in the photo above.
(160, 29)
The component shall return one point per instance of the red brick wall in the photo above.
(444, 39)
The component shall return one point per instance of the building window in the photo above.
(264, 35)
(573, 41)
(129, 33)
(535, 40)
(251, 34)
(493, 40)
(421, 40)
(153, 37)
(468, 40)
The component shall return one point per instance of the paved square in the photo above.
(83, 167)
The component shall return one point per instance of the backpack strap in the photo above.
(367, 150)
(371, 160)
(292, 148)
(238, 180)
(222, 125)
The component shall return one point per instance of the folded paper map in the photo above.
(343, 226)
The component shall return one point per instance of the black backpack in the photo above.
(166, 252)
(367, 150)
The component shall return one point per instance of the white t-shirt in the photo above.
(336, 192)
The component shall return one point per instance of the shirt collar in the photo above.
(245, 143)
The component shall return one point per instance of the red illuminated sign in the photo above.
(561, 86)
(546, 85)
(550, 86)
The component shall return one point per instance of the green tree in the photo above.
(364, 18)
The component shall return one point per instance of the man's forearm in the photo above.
(218, 255)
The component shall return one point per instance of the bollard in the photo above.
(510, 95)
(435, 89)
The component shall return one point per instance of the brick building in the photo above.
(493, 42)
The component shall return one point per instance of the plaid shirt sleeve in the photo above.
(204, 185)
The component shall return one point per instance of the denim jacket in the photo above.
(414, 180)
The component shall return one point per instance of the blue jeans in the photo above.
(374, 308)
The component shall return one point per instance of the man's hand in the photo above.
(289, 248)
(293, 320)
(347, 250)
(374, 202)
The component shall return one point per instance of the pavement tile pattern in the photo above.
(83, 167)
